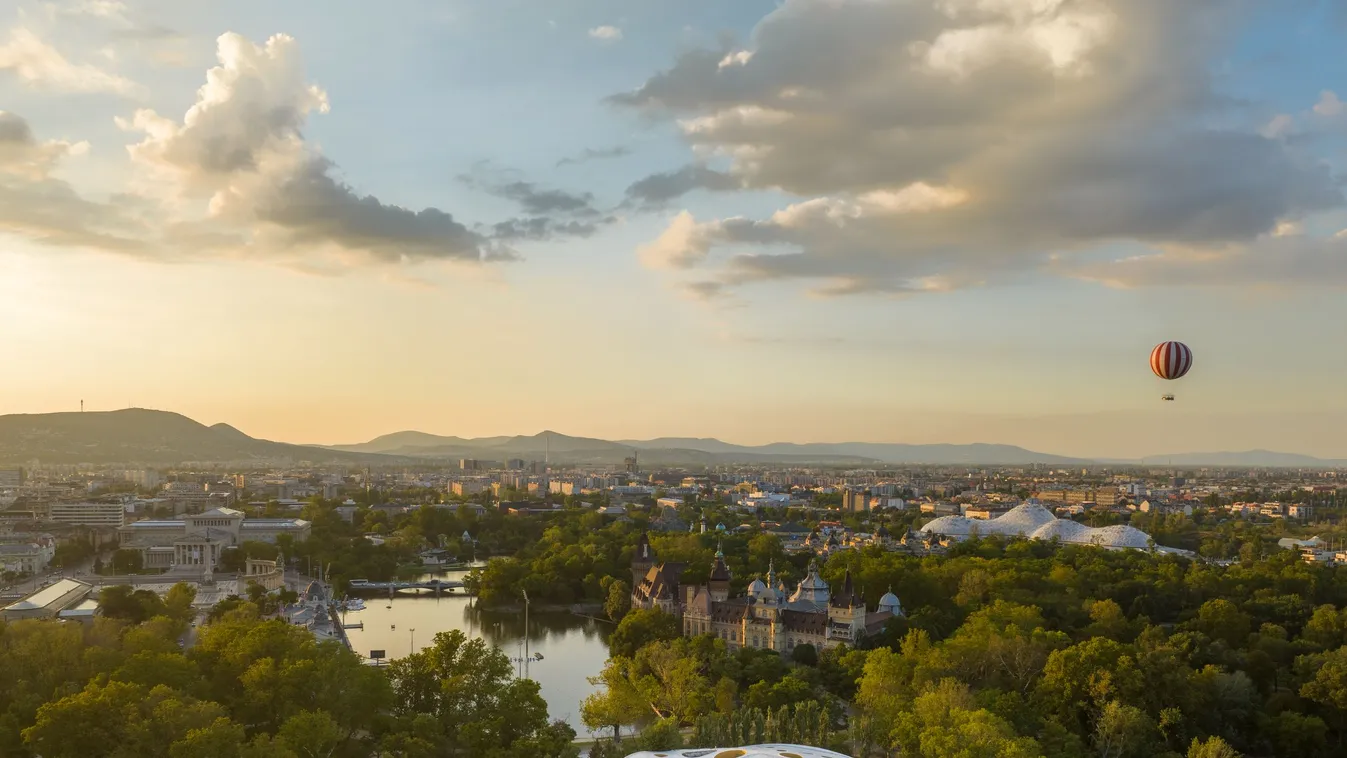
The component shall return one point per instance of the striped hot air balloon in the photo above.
(1171, 360)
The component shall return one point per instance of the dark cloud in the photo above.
(314, 208)
(590, 154)
(657, 190)
(549, 213)
(535, 200)
(540, 228)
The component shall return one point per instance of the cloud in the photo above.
(941, 144)
(239, 151)
(108, 9)
(1329, 104)
(23, 156)
(606, 33)
(657, 190)
(37, 206)
(589, 154)
(1276, 260)
(551, 212)
(41, 66)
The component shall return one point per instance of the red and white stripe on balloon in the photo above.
(1171, 360)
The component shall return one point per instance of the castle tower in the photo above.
(719, 584)
(847, 607)
(643, 561)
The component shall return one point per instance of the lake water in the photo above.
(573, 648)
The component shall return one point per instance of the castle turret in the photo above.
(643, 561)
(719, 584)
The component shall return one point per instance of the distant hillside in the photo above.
(1249, 458)
(138, 436)
(692, 451)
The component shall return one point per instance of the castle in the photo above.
(766, 617)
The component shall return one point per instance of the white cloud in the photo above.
(938, 144)
(1329, 104)
(232, 177)
(265, 190)
(606, 33)
(42, 66)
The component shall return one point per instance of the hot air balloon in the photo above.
(1171, 360)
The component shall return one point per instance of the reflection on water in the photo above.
(573, 648)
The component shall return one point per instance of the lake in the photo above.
(573, 648)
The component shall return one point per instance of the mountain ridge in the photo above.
(150, 437)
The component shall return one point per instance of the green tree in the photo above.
(467, 687)
(1214, 747)
(311, 734)
(639, 628)
(619, 600)
(620, 702)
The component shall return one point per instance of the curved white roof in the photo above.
(1036, 522)
(1064, 529)
(756, 588)
(889, 601)
(750, 751)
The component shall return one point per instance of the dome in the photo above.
(757, 588)
(1063, 529)
(955, 525)
(812, 589)
(1022, 519)
(1119, 536)
(720, 527)
(890, 603)
(774, 750)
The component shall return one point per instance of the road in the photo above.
(32, 584)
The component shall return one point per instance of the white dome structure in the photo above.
(1036, 522)
(890, 603)
(1063, 529)
(750, 751)
(756, 588)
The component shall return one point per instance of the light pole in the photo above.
(526, 632)
(413, 640)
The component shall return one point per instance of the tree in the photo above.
(127, 561)
(805, 655)
(620, 703)
(1122, 731)
(467, 686)
(639, 628)
(619, 600)
(178, 601)
(311, 734)
(1215, 747)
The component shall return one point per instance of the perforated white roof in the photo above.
(751, 751)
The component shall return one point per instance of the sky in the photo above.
(763, 220)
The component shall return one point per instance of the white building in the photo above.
(88, 514)
(199, 539)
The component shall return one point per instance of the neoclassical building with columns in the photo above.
(198, 540)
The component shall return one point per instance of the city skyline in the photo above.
(626, 220)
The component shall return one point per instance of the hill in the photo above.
(140, 436)
(1249, 458)
(694, 451)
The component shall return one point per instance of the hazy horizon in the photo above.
(324, 222)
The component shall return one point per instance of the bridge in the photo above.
(362, 585)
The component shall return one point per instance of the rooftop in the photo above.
(49, 595)
(274, 523)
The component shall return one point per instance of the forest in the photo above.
(1015, 648)
(121, 687)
